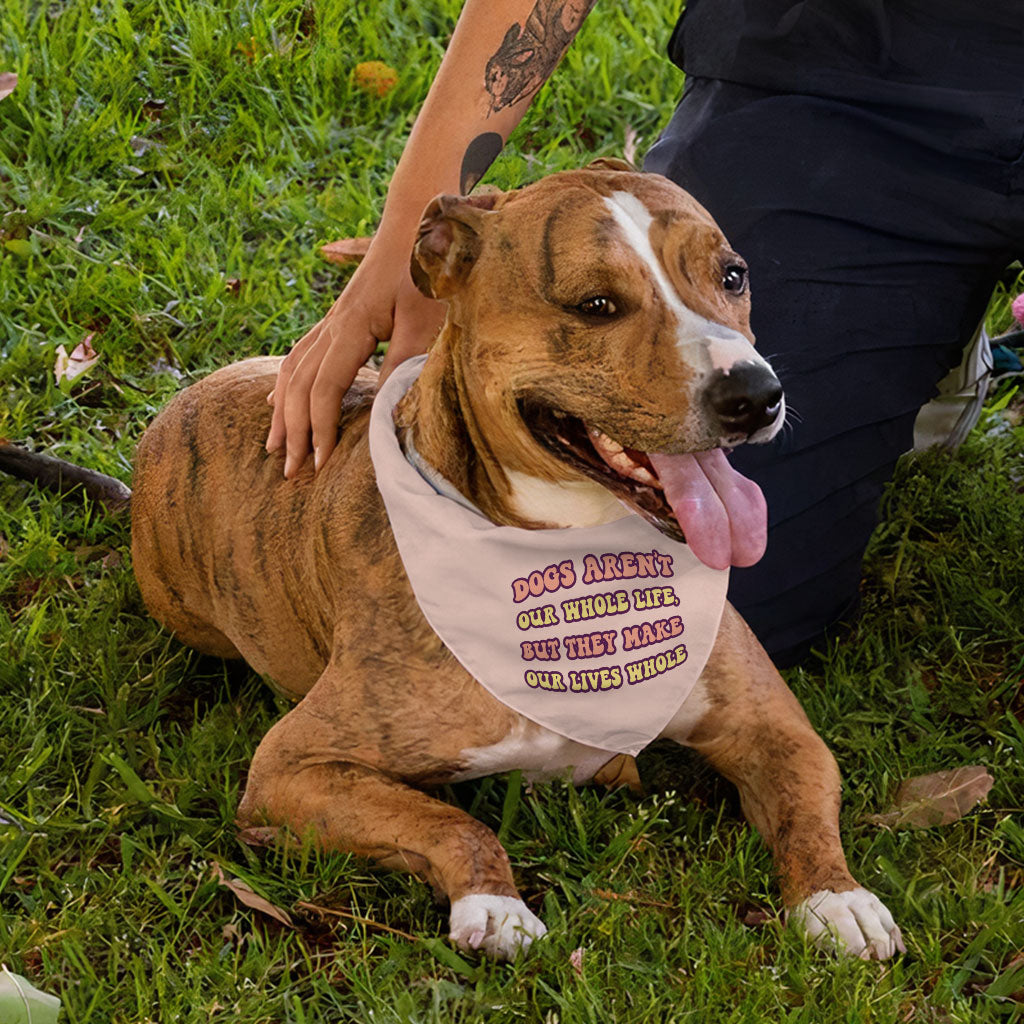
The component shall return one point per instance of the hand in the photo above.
(380, 303)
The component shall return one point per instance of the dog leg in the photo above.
(754, 732)
(358, 809)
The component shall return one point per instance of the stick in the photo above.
(62, 477)
(331, 912)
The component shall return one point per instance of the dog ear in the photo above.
(610, 163)
(449, 242)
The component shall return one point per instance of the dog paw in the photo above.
(501, 926)
(855, 922)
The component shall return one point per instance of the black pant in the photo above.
(874, 236)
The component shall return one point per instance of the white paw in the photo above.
(855, 922)
(501, 926)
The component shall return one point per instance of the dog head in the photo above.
(599, 325)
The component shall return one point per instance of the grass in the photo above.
(167, 169)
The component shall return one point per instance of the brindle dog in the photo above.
(592, 317)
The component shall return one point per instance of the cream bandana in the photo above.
(598, 633)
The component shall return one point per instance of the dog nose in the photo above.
(746, 399)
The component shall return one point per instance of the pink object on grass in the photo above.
(1018, 308)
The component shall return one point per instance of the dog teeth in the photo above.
(603, 443)
(615, 455)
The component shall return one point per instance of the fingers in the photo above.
(334, 377)
(313, 379)
(315, 388)
(314, 376)
(276, 435)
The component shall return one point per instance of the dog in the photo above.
(598, 335)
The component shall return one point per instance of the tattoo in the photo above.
(480, 154)
(529, 52)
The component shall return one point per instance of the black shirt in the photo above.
(914, 52)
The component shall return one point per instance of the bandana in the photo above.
(598, 633)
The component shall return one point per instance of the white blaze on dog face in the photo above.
(708, 346)
(704, 344)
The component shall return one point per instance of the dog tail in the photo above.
(60, 477)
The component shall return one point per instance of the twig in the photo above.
(607, 894)
(348, 915)
(62, 477)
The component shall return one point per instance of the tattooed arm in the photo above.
(500, 54)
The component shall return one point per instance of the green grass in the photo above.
(153, 152)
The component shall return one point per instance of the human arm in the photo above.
(499, 56)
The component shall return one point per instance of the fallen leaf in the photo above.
(576, 961)
(4, 547)
(755, 917)
(244, 894)
(112, 560)
(139, 145)
(152, 108)
(346, 250)
(249, 50)
(374, 76)
(259, 835)
(163, 366)
(22, 1003)
(629, 150)
(69, 367)
(936, 799)
(8, 81)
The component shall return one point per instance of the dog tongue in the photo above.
(722, 514)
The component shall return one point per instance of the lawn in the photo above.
(168, 169)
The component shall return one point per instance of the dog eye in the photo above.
(734, 278)
(597, 305)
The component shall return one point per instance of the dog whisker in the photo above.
(793, 416)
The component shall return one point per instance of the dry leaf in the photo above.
(8, 80)
(259, 835)
(755, 917)
(346, 250)
(4, 547)
(937, 799)
(576, 961)
(152, 108)
(163, 366)
(374, 76)
(68, 367)
(112, 560)
(138, 144)
(249, 50)
(244, 894)
(629, 150)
